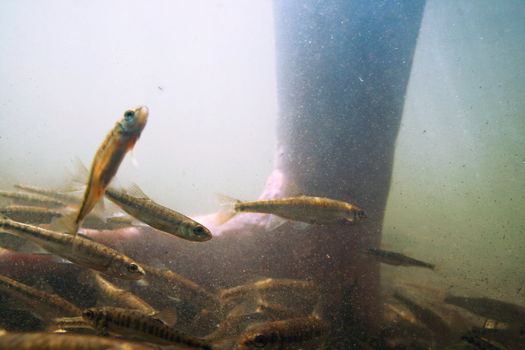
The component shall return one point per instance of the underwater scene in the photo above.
(234, 175)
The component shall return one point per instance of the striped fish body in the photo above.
(50, 341)
(137, 325)
(77, 249)
(117, 296)
(45, 304)
(284, 334)
(63, 197)
(30, 214)
(107, 160)
(32, 199)
(158, 216)
(313, 210)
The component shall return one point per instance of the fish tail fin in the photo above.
(228, 210)
(67, 223)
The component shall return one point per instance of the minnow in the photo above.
(63, 197)
(397, 259)
(45, 304)
(141, 207)
(425, 315)
(30, 214)
(117, 296)
(77, 249)
(282, 334)
(67, 323)
(32, 199)
(51, 341)
(170, 283)
(312, 210)
(118, 142)
(137, 325)
(269, 285)
(490, 308)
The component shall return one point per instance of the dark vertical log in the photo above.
(343, 69)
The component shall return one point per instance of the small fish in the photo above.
(170, 283)
(137, 325)
(114, 295)
(490, 308)
(77, 249)
(425, 315)
(115, 222)
(283, 334)
(53, 341)
(312, 210)
(63, 197)
(107, 160)
(32, 199)
(30, 214)
(66, 323)
(270, 285)
(140, 206)
(397, 259)
(42, 303)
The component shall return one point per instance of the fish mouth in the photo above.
(141, 114)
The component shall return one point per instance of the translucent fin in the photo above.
(167, 316)
(65, 224)
(274, 222)
(135, 191)
(228, 208)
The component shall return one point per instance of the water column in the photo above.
(343, 68)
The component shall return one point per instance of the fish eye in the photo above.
(129, 114)
(260, 341)
(133, 267)
(88, 314)
(200, 231)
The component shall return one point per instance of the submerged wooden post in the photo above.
(343, 69)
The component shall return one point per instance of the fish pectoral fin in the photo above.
(135, 191)
(166, 316)
(274, 222)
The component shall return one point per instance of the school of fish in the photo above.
(137, 306)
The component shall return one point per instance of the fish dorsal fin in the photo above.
(135, 191)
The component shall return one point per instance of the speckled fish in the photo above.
(312, 210)
(283, 334)
(30, 214)
(32, 199)
(51, 341)
(107, 160)
(397, 259)
(137, 325)
(141, 207)
(77, 249)
(63, 197)
(491, 308)
(42, 303)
